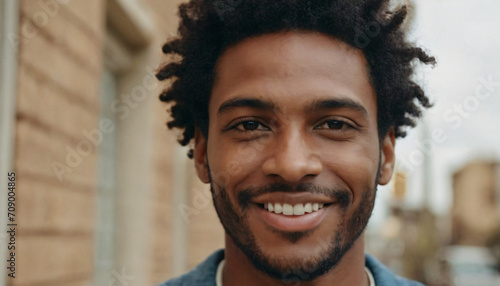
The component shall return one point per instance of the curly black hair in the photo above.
(208, 27)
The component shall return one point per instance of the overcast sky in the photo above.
(464, 36)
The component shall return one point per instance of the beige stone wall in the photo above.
(59, 76)
(58, 82)
(475, 203)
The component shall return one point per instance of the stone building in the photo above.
(104, 194)
(476, 203)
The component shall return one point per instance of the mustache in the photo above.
(341, 195)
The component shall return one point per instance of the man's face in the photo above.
(293, 128)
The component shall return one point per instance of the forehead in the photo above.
(292, 67)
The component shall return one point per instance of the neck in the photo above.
(239, 270)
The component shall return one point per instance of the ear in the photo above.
(200, 156)
(387, 158)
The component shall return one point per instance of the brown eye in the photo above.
(335, 124)
(336, 129)
(250, 125)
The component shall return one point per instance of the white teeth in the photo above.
(287, 209)
(308, 208)
(278, 208)
(315, 206)
(297, 209)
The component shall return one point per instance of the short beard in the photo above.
(336, 246)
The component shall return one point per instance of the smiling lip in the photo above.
(292, 223)
(293, 198)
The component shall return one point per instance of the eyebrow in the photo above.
(323, 104)
(245, 102)
(315, 106)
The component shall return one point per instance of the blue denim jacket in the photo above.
(204, 273)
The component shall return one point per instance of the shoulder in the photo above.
(201, 275)
(384, 277)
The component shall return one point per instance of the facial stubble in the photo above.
(298, 269)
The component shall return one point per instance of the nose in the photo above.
(294, 158)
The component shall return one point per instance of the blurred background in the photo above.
(104, 195)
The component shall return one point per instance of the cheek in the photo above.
(231, 163)
(355, 165)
